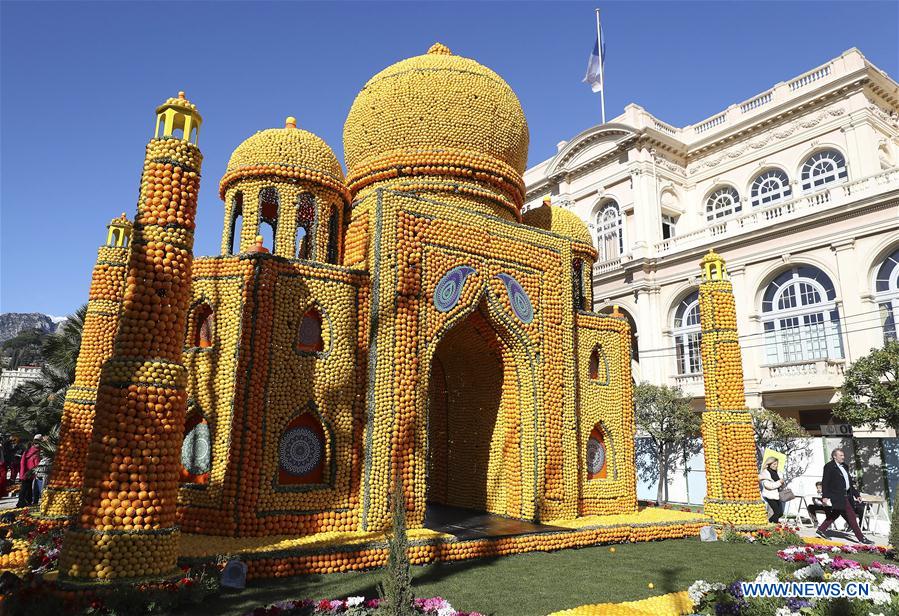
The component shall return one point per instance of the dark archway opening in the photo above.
(465, 440)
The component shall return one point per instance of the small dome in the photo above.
(180, 102)
(287, 152)
(558, 220)
(437, 109)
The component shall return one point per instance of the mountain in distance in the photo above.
(14, 323)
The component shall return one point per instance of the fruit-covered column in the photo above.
(728, 440)
(62, 498)
(126, 528)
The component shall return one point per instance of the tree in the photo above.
(667, 417)
(870, 391)
(35, 407)
(396, 584)
(783, 434)
(870, 395)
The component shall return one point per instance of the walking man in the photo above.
(839, 493)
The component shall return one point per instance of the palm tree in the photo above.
(35, 407)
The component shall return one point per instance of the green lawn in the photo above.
(537, 583)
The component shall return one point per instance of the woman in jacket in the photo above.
(30, 459)
(771, 484)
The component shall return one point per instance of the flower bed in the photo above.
(779, 534)
(353, 606)
(820, 564)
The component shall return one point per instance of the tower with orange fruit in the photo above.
(62, 498)
(727, 436)
(126, 527)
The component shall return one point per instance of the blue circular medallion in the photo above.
(301, 451)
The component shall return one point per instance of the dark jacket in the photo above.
(833, 486)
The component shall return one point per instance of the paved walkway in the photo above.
(844, 537)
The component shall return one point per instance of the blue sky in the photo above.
(79, 83)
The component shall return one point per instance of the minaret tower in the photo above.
(62, 498)
(727, 437)
(126, 527)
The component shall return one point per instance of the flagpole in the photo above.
(602, 80)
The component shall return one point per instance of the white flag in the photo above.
(595, 66)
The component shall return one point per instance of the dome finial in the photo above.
(181, 94)
(290, 122)
(440, 48)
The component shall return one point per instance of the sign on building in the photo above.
(836, 430)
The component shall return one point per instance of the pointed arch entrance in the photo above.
(474, 420)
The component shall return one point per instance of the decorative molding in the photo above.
(773, 135)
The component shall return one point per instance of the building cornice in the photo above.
(841, 239)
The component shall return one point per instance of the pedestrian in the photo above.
(817, 505)
(3, 486)
(771, 484)
(41, 471)
(13, 457)
(29, 462)
(839, 493)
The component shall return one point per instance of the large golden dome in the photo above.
(436, 109)
(287, 152)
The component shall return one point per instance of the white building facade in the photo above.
(10, 379)
(797, 188)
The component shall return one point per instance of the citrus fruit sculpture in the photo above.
(728, 439)
(403, 320)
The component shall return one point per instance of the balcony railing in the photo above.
(755, 103)
(808, 78)
(688, 380)
(607, 266)
(821, 367)
(830, 197)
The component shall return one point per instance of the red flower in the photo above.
(324, 605)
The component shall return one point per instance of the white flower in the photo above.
(879, 597)
(854, 574)
(767, 576)
(354, 601)
(446, 611)
(698, 590)
(783, 611)
(890, 584)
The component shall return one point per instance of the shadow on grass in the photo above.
(670, 577)
(259, 593)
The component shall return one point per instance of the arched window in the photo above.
(769, 188)
(203, 322)
(822, 169)
(610, 237)
(578, 293)
(599, 366)
(196, 450)
(886, 294)
(597, 460)
(268, 216)
(723, 202)
(800, 317)
(305, 214)
(687, 333)
(333, 235)
(310, 334)
(236, 222)
(301, 452)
